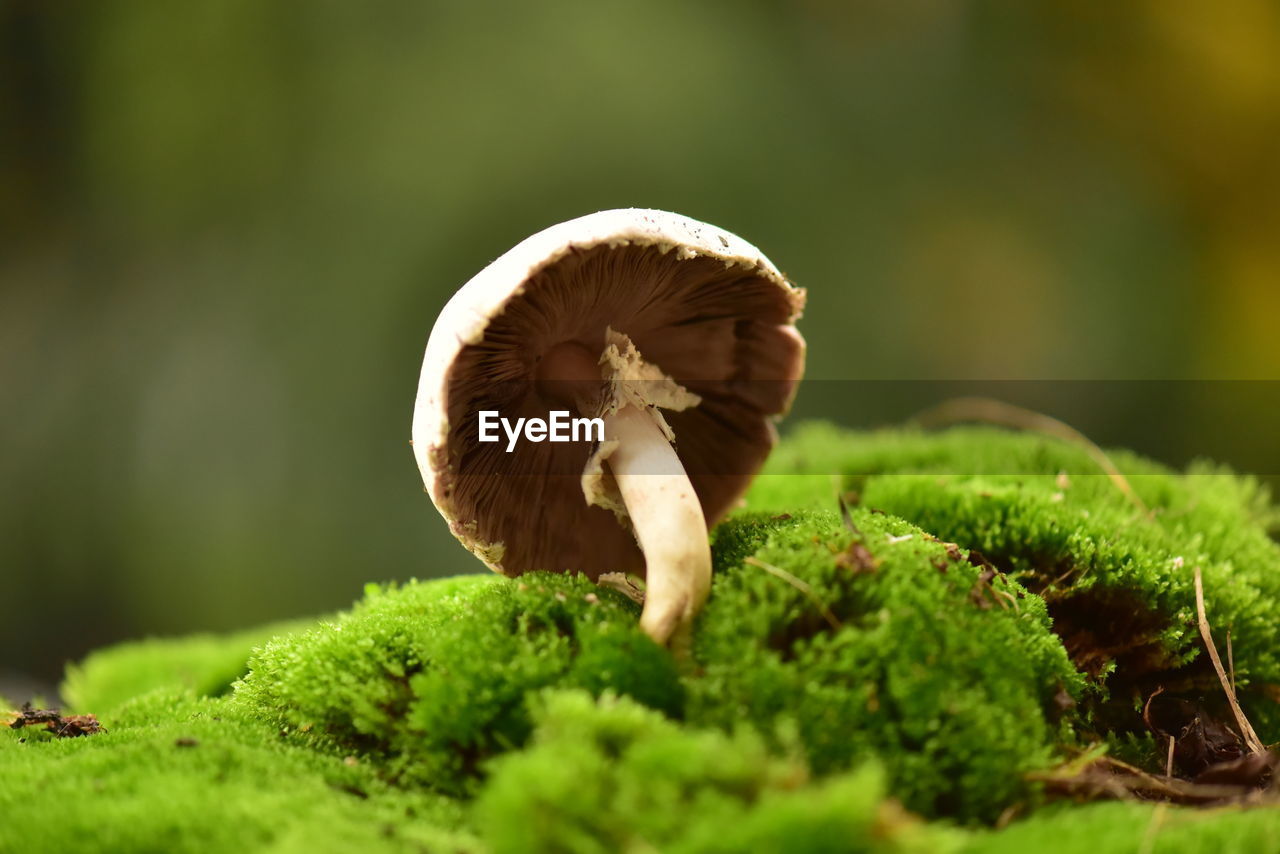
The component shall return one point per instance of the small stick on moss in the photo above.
(1168, 763)
(1009, 597)
(847, 518)
(801, 586)
(1153, 829)
(991, 411)
(1109, 777)
(1007, 816)
(1251, 739)
(1231, 661)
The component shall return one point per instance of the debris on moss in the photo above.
(53, 721)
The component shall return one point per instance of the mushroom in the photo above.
(678, 336)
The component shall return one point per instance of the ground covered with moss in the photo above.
(909, 637)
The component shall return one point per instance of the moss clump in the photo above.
(432, 677)
(205, 664)
(611, 775)
(178, 773)
(1116, 575)
(880, 641)
(951, 679)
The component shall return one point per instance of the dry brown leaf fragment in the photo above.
(69, 726)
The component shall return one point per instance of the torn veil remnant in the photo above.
(679, 336)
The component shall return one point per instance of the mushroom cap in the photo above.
(703, 305)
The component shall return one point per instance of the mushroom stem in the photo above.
(661, 503)
(668, 521)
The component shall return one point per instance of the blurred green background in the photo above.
(226, 229)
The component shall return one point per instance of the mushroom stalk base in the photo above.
(661, 504)
(668, 522)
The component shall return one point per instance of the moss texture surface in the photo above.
(903, 629)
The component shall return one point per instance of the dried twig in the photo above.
(1251, 739)
(1009, 597)
(799, 585)
(1231, 661)
(1153, 828)
(1008, 814)
(993, 411)
(1110, 777)
(847, 518)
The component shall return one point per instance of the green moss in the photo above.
(610, 775)
(927, 649)
(1117, 576)
(177, 773)
(882, 643)
(432, 677)
(1124, 828)
(206, 664)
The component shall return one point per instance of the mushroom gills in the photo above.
(636, 473)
